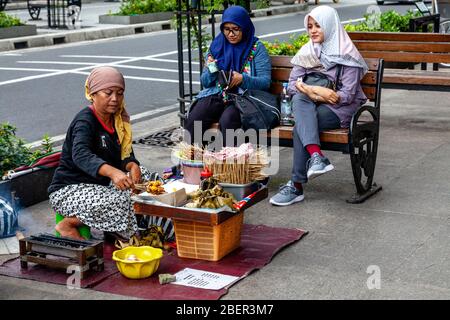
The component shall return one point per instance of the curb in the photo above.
(70, 36)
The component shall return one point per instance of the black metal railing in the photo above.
(62, 14)
(190, 38)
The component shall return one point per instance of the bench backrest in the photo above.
(403, 46)
(281, 69)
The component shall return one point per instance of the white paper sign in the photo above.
(203, 279)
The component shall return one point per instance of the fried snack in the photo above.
(155, 187)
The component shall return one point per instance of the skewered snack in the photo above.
(240, 165)
(155, 187)
(187, 151)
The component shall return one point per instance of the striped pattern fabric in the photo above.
(8, 219)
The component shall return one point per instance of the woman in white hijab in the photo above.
(318, 108)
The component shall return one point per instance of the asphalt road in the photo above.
(41, 89)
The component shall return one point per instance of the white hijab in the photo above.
(337, 47)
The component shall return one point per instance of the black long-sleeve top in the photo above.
(87, 147)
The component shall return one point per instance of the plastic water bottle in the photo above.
(286, 107)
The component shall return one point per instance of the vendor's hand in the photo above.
(210, 59)
(121, 180)
(328, 95)
(236, 79)
(135, 172)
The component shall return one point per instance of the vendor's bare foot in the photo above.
(68, 231)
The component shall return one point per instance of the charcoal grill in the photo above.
(61, 252)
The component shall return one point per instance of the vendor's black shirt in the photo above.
(87, 147)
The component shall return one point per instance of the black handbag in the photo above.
(259, 109)
(319, 79)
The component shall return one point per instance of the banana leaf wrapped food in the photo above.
(211, 198)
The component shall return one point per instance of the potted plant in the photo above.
(25, 174)
(12, 27)
(141, 11)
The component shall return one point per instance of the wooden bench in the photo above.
(34, 7)
(408, 47)
(360, 140)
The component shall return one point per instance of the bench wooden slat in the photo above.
(330, 136)
(414, 77)
(335, 136)
(369, 78)
(408, 56)
(281, 74)
(370, 92)
(402, 46)
(400, 36)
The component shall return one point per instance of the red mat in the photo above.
(44, 274)
(259, 244)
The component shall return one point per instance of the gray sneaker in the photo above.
(318, 165)
(287, 195)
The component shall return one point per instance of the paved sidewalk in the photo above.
(403, 230)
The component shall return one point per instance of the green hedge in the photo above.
(135, 7)
(7, 21)
(389, 21)
(14, 152)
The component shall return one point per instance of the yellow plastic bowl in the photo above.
(137, 262)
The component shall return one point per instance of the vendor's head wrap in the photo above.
(106, 77)
(233, 56)
(337, 47)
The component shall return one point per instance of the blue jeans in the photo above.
(310, 120)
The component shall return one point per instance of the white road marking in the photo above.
(61, 62)
(121, 57)
(143, 78)
(94, 57)
(154, 69)
(30, 69)
(11, 54)
(83, 68)
(99, 64)
(170, 60)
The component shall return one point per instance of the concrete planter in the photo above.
(139, 18)
(18, 31)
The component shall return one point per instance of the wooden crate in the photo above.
(206, 242)
(201, 234)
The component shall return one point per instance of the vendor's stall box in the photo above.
(201, 233)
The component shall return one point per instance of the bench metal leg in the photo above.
(363, 156)
(34, 12)
(2, 4)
